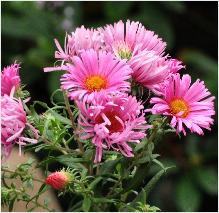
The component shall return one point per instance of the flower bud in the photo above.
(58, 180)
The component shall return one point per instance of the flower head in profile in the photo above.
(112, 121)
(188, 105)
(13, 123)
(10, 78)
(79, 40)
(93, 73)
(173, 67)
(149, 69)
(59, 180)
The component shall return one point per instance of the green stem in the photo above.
(68, 108)
(64, 150)
(10, 171)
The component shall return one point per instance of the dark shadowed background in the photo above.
(191, 32)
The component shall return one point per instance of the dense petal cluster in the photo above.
(81, 39)
(189, 105)
(10, 78)
(95, 73)
(112, 121)
(131, 37)
(173, 67)
(13, 123)
(149, 69)
(13, 117)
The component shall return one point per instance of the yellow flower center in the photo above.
(95, 83)
(179, 105)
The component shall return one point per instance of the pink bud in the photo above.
(58, 180)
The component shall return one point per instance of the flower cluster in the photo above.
(102, 64)
(13, 116)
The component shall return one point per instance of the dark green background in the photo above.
(190, 30)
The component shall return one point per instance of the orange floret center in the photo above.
(95, 83)
(179, 105)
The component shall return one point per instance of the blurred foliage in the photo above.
(190, 30)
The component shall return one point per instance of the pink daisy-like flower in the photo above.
(13, 123)
(112, 121)
(191, 106)
(149, 69)
(76, 42)
(142, 48)
(95, 72)
(10, 78)
(130, 38)
(174, 66)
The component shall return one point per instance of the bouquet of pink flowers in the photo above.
(121, 94)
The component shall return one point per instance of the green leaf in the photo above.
(159, 163)
(108, 166)
(153, 181)
(95, 182)
(141, 197)
(42, 189)
(138, 178)
(103, 200)
(141, 145)
(143, 160)
(188, 198)
(44, 105)
(69, 159)
(207, 178)
(86, 204)
(59, 117)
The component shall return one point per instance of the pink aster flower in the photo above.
(191, 106)
(10, 78)
(130, 38)
(75, 43)
(149, 69)
(142, 49)
(112, 121)
(59, 180)
(13, 123)
(173, 66)
(94, 73)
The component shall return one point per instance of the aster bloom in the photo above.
(10, 78)
(142, 48)
(75, 43)
(13, 123)
(149, 69)
(59, 180)
(174, 66)
(112, 121)
(191, 106)
(130, 38)
(93, 73)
